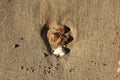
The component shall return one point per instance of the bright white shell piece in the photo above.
(60, 51)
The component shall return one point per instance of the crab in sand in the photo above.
(56, 37)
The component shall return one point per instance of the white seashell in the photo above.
(60, 51)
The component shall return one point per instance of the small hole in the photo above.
(31, 67)
(70, 70)
(33, 70)
(48, 71)
(44, 67)
(49, 67)
(21, 38)
(51, 64)
(17, 45)
(39, 65)
(46, 55)
(22, 67)
(104, 64)
(44, 71)
(27, 69)
(92, 61)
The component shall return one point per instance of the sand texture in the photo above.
(94, 50)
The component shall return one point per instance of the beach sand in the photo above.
(94, 51)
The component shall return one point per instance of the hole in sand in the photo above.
(33, 70)
(53, 37)
(17, 45)
(21, 38)
(22, 67)
(104, 64)
(45, 54)
(27, 69)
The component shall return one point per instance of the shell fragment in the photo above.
(60, 51)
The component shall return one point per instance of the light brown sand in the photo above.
(95, 50)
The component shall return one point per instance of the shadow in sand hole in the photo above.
(44, 37)
(70, 39)
(67, 29)
(67, 50)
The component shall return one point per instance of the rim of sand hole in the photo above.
(69, 44)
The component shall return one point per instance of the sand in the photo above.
(94, 51)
